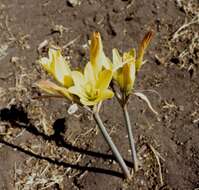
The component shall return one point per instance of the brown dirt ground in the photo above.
(43, 147)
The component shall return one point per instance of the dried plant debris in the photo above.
(182, 44)
(149, 174)
(40, 176)
(58, 29)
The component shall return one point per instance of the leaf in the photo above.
(144, 97)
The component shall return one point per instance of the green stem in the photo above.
(112, 145)
(130, 137)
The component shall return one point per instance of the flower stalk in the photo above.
(130, 137)
(111, 145)
(125, 69)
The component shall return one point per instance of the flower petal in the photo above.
(78, 78)
(95, 51)
(118, 77)
(104, 79)
(97, 56)
(57, 66)
(87, 102)
(125, 77)
(89, 74)
(45, 62)
(145, 42)
(61, 67)
(54, 89)
(128, 77)
(78, 91)
(75, 90)
(106, 94)
(117, 59)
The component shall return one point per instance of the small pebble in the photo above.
(14, 59)
(181, 108)
(74, 3)
(72, 109)
(2, 129)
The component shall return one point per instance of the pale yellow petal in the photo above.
(133, 72)
(48, 87)
(51, 51)
(109, 64)
(75, 90)
(54, 89)
(78, 78)
(117, 60)
(57, 66)
(89, 74)
(87, 102)
(104, 79)
(61, 67)
(47, 63)
(106, 94)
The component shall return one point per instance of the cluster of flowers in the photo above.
(97, 82)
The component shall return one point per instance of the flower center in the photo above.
(91, 92)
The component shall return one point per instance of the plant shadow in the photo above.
(17, 117)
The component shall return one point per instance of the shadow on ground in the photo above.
(17, 117)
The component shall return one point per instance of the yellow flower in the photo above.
(89, 88)
(58, 67)
(92, 85)
(125, 67)
(124, 70)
